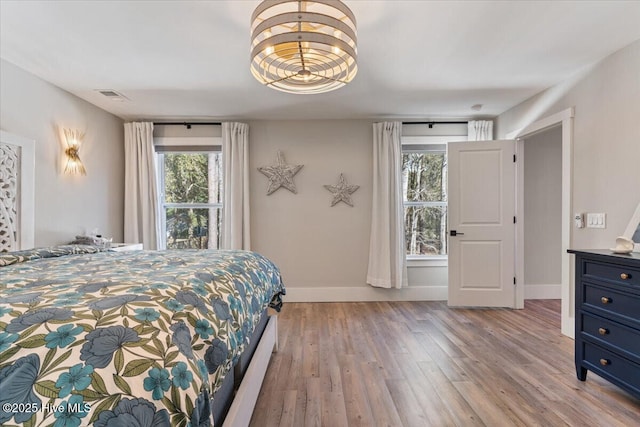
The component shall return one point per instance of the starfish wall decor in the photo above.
(342, 192)
(280, 175)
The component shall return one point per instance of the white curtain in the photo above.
(235, 208)
(480, 130)
(387, 258)
(141, 219)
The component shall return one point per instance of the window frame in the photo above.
(186, 145)
(425, 144)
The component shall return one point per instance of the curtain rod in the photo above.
(435, 123)
(188, 124)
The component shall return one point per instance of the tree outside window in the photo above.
(424, 179)
(191, 199)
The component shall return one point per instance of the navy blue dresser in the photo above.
(608, 317)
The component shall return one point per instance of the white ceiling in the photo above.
(416, 59)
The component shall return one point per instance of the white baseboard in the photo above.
(568, 326)
(542, 292)
(365, 293)
(414, 293)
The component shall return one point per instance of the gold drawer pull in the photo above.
(625, 276)
(603, 331)
(605, 362)
(605, 300)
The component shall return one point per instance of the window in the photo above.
(190, 187)
(424, 187)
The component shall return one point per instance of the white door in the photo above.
(481, 190)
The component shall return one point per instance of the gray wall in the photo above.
(322, 250)
(606, 154)
(542, 214)
(316, 245)
(66, 205)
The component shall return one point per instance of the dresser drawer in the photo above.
(607, 308)
(609, 301)
(612, 334)
(612, 272)
(612, 367)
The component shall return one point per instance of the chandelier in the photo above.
(303, 47)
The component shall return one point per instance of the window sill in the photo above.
(427, 261)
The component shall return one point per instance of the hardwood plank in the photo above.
(313, 408)
(428, 398)
(273, 413)
(288, 408)
(452, 401)
(489, 411)
(513, 400)
(384, 411)
(358, 407)
(409, 410)
(334, 412)
(311, 354)
(424, 364)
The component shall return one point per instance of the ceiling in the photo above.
(416, 59)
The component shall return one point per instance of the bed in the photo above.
(156, 338)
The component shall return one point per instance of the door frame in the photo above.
(565, 119)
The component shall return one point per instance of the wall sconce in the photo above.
(74, 165)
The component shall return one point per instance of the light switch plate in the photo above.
(596, 220)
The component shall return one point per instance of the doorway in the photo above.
(543, 214)
(565, 120)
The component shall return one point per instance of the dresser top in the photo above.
(633, 256)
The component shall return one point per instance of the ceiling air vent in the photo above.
(112, 94)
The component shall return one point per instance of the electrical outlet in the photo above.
(596, 220)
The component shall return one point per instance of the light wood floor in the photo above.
(424, 364)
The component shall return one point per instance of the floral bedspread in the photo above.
(125, 338)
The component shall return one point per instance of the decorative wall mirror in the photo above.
(633, 229)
